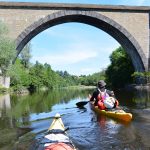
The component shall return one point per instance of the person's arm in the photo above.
(116, 103)
(92, 98)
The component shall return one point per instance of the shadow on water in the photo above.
(25, 119)
(82, 109)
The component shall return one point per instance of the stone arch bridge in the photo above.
(128, 25)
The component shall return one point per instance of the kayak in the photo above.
(114, 113)
(56, 137)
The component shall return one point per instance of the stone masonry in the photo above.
(128, 25)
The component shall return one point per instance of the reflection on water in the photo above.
(4, 103)
(25, 119)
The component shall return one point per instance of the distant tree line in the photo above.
(24, 75)
(37, 76)
(91, 80)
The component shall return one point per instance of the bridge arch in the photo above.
(95, 19)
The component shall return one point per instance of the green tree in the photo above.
(118, 74)
(43, 76)
(7, 50)
(91, 80)
(19, 76)
(36, 76)
(69, 79)
(48, 77)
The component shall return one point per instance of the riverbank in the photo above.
(79, 87)
(11, 91)
(23, 91)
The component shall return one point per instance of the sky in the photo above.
(74, 47)
(78, 48)
(105, 2)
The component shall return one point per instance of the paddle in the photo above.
(81, 104)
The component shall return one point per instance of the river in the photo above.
(25, 119)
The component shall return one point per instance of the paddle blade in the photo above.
(81, 104)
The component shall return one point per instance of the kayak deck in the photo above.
(57, 123)
(56, 137)
(117, 114)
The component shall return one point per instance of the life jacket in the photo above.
(101, 105)
(102, 95)
(105, 101)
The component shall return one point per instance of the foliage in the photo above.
(3, 89)
(7, 50)
(35, 75)
(38, 76)
(43, 76)
(118, 74)
(18, 75)
(141, 76)
(91, 80)
(68, 79)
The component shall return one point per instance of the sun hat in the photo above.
(101, 83)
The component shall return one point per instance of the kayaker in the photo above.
(103, 98)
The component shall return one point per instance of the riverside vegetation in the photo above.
(26, 76)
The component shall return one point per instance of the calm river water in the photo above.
(25, 119)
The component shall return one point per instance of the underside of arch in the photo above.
(95, 19)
